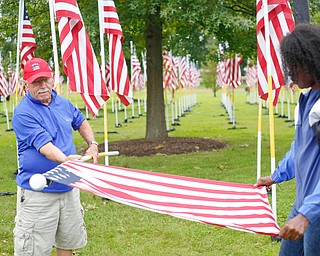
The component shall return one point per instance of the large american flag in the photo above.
(120, 82)
(232, 205)
(280, 23)
(28, 42)
(80, 62)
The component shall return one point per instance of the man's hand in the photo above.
(72, 157)
(295, 228)
(94, 152)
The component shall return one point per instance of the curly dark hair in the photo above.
(301, 50)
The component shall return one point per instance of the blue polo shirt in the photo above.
(303, 161)
(36, 124)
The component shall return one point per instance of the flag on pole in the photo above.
(183, 72)
(4, 88)
(194, 75)
(235, 74)
(120, 82)
(232, 205)
(79, 60)
(280, 23)
(167, 68)
(137, 81)
(28, 42)
(251, 75)
(220, 73)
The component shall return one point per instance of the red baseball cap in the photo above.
(36, 68)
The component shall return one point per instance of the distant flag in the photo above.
(174, 72)
(183, 72)
(170, 70)
(28, 42)
(4, 89)
(280, 23)
(136, 73)
(80, 63)
(226, 204)
(235, 72)
(251, 75)
(167, 68)
(13, 81)
(220, 73)
(227, 68)
(194, 75)
(119, 78)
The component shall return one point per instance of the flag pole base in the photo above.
(234, 127)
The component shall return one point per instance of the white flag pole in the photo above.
(270, 97)
(21, 8)
(55, 49)
(103, 70)
(259, 140)
(132, 52)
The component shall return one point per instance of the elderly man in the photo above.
(43, 122)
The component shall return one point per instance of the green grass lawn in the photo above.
(116, 229)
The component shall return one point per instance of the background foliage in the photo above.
(189, 27)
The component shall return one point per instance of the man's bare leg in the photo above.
(61, 252)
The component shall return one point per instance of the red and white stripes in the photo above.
(281, 22)
(232, 205)
(28, 42)
(119, 78)
(80, 63)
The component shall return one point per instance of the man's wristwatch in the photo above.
(94, 142)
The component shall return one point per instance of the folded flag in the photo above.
(231, 205)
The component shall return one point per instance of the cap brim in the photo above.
(38, 75)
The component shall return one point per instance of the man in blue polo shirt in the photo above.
(300, 52)
(43, 122)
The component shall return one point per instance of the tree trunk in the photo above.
(301, 11)
(156, 125)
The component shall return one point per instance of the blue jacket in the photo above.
(303, 161)
(36, 124)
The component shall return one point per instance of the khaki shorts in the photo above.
(45, 220)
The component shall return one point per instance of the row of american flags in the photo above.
(281, 22)
(81, 65)
(178, 72)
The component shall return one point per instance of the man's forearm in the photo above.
(53, 153)
(86, 132)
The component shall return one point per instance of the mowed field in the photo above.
(116, 229)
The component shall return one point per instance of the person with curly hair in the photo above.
(300, 51)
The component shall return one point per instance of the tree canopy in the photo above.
(193, 28)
